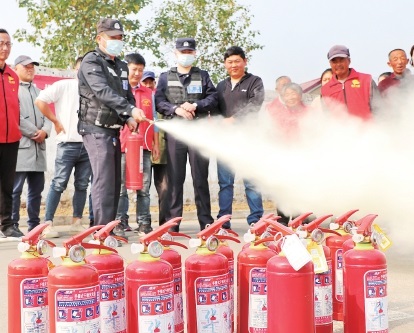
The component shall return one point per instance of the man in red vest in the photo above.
(357, 92)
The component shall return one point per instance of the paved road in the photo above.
(400, 274)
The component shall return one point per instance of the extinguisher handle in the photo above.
(329, 231)
(315, 223)
(98, 247)
(280, 227)
(227, 237)
(262, 225)
(77, 239)
(295, 223)
(365, 224)
(166, 242)
(178, 234)
(345, 217)
(161, 230)
(105, 231)
(34, 235)
(213, 228)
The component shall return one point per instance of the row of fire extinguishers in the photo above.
(287, 281)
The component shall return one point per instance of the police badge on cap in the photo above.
(185, 44)
(112, 27)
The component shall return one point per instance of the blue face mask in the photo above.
(185, 60)
(114, 47)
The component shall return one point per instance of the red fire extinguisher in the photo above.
(149, 285)
(322, 260)
(290, 292)
(134, 161)
(365, 283)
(225, 250)
(251, 280)
(74, 287)
(174, 258)
(343, 226)
(27, 285)
(110, 266)
(207, 282)
(259, 230)
(298, 221)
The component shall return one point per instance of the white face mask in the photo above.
(185, 59)
(114, 47)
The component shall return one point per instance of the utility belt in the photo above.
(101, 116)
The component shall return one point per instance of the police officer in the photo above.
(186, 92)
(106, 104)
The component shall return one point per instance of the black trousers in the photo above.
(177, 153)
(105, 156)
(8, 160)
(159, 172)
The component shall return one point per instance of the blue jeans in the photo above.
(69, 156)
(35, 186)
(225, 196)
(143, 195)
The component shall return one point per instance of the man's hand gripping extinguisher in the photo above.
(74, 287)
(110, 266)
(27, 284)
(207, 282)
(365, 283)
(149, 285)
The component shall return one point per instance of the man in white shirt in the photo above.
(71, 153)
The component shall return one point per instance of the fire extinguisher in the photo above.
(207, 282)
(290, 281)
(110, 266)
(27, 285)
(149, 285)
(225, 250)
(134, 169)
(298, 221)
(174, 258)
(343, 226)
(251, 277)
(74, 287)
(365, 283)
(322, 260)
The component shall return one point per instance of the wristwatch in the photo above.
(195, 105)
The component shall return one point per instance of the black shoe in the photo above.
(119, 230)
(125, 226)
(12, 231)
(91, 223)
(143, 229)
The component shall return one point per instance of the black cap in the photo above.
(112, 27)
(25, 60)
(185, 44)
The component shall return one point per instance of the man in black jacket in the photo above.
(186, 92)
(239, 95)
(106, 104)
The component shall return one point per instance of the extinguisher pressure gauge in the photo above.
(317, 236)
(42, 247)
(212, 243)
(77, 253)
(111, 242)
(155, 249)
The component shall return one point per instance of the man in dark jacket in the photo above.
(106, 104)
(186, 92)
(239, 95)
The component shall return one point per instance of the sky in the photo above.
(297, 34)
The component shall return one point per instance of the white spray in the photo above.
(333, 165)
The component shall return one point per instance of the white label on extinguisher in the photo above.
(257, 300)
(339, 276)
(77, 310)
(113, 312)
(141, 159)
(156, 308)
(34, 305)
(178, 301)
(376, 301)
(231, 287)
(323, 296)
(213, 304)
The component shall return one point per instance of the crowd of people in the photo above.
(110, 98)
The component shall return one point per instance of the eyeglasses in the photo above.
(7, 44)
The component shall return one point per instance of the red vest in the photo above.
(144, 101)
(9, 107)
(355, 93)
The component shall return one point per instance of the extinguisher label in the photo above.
(77, 309)
(34, 305)
(213, 304)
(141, 159)
(113, 312)
(323, 296)
(257, 300)
(178, 301)
(376, 302)
(231, 287)
(156, 308)
(339, 276)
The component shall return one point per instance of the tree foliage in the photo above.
(65, 29)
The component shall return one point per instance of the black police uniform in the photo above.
(106, 102)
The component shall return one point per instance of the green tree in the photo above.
(215, 25)
(65, 29)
